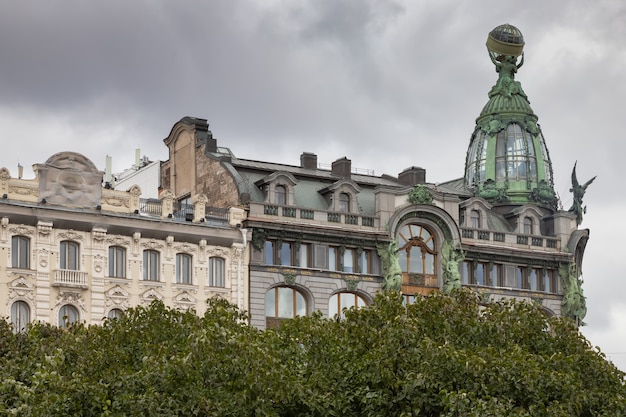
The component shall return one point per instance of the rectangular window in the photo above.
(480, 273)
(533, 278)
(69, 255)
(285, 254)
(20, 252)
(348, 260)
(216, 272)
(364, 262)
(465, 269)
(332, 258)
(320, 260)
(117, 262)
(183, 268)
(495, 276)
(268, 250)
(151, 265)
(509, 276)
(521, 280)
(303, 255)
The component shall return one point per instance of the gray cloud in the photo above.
(354, 78)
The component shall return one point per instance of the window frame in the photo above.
(20, 308)
(67, 310)
(69, 255)
(278, 300)
(117, 266)
(280, 194)
(151, 265)
(335, 308)
(184, 268)
(20, 252)
(217, 272)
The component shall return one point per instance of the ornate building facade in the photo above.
(282, 240)
(72, 250)
(324, 239)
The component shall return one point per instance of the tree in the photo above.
(441, 356)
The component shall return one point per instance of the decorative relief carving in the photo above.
(21, 288)
(185, 248)
(44, 255)
(184, 301)
(117, 297)
(23, 190)
(117, 201)
(44, 228)
(150, 296)
(71, 235)
(21, 230)
(98, 263)
(217, 251)
(70, 297)
(135, 191)
(152, 244)
(117, 241)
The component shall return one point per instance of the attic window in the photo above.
(280, 195)
(344, 203)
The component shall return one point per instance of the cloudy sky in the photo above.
(388, 84)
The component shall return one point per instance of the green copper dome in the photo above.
(507, 160)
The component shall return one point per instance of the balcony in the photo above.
(306, 216)
(70, 278)
(511, 239)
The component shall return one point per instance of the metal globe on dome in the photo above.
(505, 40)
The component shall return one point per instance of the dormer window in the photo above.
(528, 226)
(475, 219)
(344, 203)
(280, 195)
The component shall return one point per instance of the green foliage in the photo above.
(441, 356)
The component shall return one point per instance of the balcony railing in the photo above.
(70, 278)
(510, 238)
(317, 215)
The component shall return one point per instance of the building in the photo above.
(324, 239)
(286, 240)
(73, 250)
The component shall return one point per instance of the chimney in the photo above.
(342, 167)
(412, 176)
(308, 160)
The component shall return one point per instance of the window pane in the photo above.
(285, 302)
(430, 263)
(300, 304)
(464, 269)
(183, 268)
(117, 262)
(416, 265)
(332, 259)
(268, 250)
(364, 267)
(20, 316)
(348, 260)
(285, 254)
(20, 252)
(304, 255)
(151, 265)
(216, 272)
(280, 195)
(115, 313)
(480, 274)
(68, 314)
(270, 303)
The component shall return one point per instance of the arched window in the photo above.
(20, 252)
(417, 251)
(20, 316)
(117, 262)
(344, 203)
(68, 314)
(183, 268)
(342, 300)
(151, 265)
(515, 154)
(475, 219)
(69, 255)
(280, 195)
(283, 303)
(115, 313)
(216, 272)
(528, 226)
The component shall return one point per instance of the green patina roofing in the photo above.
(507, 159)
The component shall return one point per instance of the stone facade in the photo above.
(73, 250)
